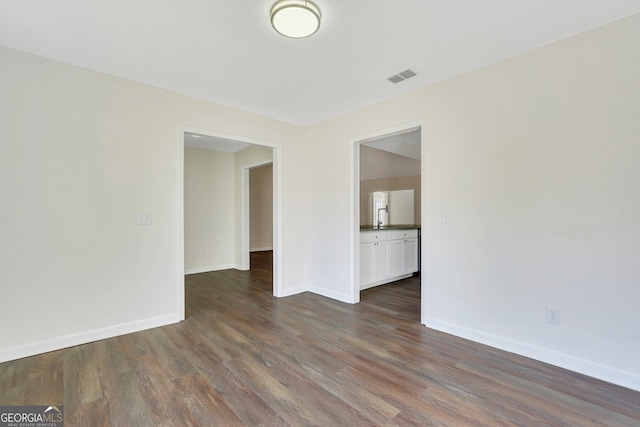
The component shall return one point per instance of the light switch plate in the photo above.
(446, 219)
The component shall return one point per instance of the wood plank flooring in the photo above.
(243, 357)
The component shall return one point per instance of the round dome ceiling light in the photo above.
(295, 18)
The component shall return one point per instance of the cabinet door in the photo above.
(396, 261)
(410, 255)
(380, 261)
(366, 263)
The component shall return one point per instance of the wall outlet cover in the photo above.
(144, 218)
(553, 315)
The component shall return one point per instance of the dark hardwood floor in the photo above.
(243, 357)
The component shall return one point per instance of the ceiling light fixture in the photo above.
(295, 18)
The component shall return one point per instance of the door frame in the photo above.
(354, 262)
(277, 206)
(246, 213)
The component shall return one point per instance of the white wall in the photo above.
(81, 154)
(384, 171)
(208, 210)
(261, 208)
(376, 164)
(536, 161)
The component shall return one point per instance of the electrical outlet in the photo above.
(144, 218)
(553, 315)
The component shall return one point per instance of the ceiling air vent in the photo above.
(407, 74)
(403, 75)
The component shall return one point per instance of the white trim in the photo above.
(245, 228)
(180, 297)
(354, 203)
(575, 364)
(208, 268)
(246, 213)
(354, 226)
(293, 291)
(387, 281)
(424, 221)
(85, 337)
(340, 296)
(277, 205)
(266, 248)
(278, 290)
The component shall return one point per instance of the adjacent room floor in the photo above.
(243, 357)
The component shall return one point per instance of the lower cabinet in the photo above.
(387, 256)
(410, 257)
(373, 262)
(396, 258)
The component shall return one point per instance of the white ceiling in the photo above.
(226, 52)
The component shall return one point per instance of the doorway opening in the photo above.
(257, 210)
(213, 202)
(387, 165)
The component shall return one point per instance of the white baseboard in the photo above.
(207, 269)
(385, 281)
(85, 337)
(266, 248)
(292, 291)
(572, 363)
(331, 294)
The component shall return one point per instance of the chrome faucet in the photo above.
(386, 209)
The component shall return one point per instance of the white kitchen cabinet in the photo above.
(396, 258)
(408, 239)
(373, 256)
(410, 255)
(387, 256)
(374, 262)
(380, 260)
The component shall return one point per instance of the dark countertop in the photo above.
(390, 227)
